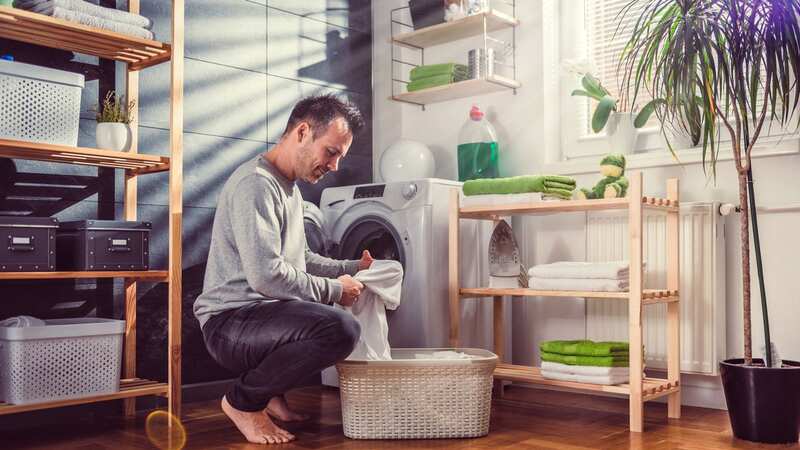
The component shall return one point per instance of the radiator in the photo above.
(702, 288)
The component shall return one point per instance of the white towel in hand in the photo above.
(578, 269)
(578, 284)
(22, 322)
(46, 7)
(593, 379)
(382, 284)
(554, 367)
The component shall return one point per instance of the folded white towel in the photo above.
(554, 367)
(578, 269)
(22, 322)
(593, 379)
(444, 354)
(46, 7)
(578, 284)
(99, 22)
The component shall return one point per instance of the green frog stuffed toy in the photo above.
(613, 185)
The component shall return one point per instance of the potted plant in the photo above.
(622, 124)
(736, 63)
(113, 123)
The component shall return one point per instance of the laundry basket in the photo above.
(39, 104)
(64, 359)
(415, 396)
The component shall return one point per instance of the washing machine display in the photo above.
(370, 191)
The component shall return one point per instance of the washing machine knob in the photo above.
(409, 191)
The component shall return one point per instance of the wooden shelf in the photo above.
(458, 29)
(652, 388)
(491, 212)
(460, 89)
(135, 162)
(135, 387)
(145, 275)
(649, 296)
(33, 28)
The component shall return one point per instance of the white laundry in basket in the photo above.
(382, 285)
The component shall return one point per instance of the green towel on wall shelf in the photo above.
(436, 80)
(431, 70)
(584, 347)
(555, 185)
(620, 360)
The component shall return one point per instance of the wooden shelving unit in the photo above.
(639, 389)
(138, 54)
(475, 25)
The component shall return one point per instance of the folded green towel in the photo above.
(555, 185)
(584, 347)
(620, 360)
(431, 70)
(436, 80)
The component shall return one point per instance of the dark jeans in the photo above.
(275, 346)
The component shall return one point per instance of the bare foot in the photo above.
(256, 426)
(279, 409)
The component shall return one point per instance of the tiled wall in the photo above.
(246, 63)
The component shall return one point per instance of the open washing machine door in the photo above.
(314, 224)
(373, 233)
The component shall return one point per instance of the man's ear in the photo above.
(303, 131)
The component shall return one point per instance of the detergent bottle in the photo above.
(478, 152)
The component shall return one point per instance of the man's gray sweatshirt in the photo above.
(258, 247)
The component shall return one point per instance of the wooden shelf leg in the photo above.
(673, 309)
(129, 368)
(499, 339)
(636, 404)
(454, 282)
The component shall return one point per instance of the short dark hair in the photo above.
(320, 110)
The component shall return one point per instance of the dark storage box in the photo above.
(426, 13)
(103, 245)
(29, 244)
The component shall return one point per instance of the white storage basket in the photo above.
(64, 359)
(39, 104)
(413, 397)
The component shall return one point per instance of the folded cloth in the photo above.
(592, 379)
(581, 360)
(443, 354)
(382, 283)
(22, 322)
(554, 185)
(585, 347)
(614, 270)
(46, 7)
(578, 284)
(433, 81)
(99, 22)
(431, 70)
(595, 371)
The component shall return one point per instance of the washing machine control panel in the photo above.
(372, 191)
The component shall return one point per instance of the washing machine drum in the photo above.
(374, 234)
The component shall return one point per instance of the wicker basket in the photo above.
(417, 397)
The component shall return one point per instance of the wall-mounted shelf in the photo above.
(143, 275)
(460, 89)
(136, 162)
(456, 30)
(43, 30)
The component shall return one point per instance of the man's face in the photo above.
(318, 155)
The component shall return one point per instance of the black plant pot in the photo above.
(763, 403)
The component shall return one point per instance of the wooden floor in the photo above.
(524, 419)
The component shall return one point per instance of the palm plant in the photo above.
(719, 65)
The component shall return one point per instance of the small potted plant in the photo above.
(113, 123)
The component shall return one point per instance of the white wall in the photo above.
(524, 140)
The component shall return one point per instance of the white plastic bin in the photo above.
(39, 104)
(415, 396)
(64, 359)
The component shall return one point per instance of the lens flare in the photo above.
(165, 431)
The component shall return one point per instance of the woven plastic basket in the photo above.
(417, 397)
(66, 358)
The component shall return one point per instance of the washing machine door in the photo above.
(373, 233)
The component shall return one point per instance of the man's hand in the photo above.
(351, 289)
(366, 260)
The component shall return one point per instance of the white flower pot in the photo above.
(621, 133)
(677, 138)
(113, 136)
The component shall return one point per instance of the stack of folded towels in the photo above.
(609, 276)
(555, 186)
(432, 75)
(85, 13)
(585, 361)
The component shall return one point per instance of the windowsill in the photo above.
(788, 145)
